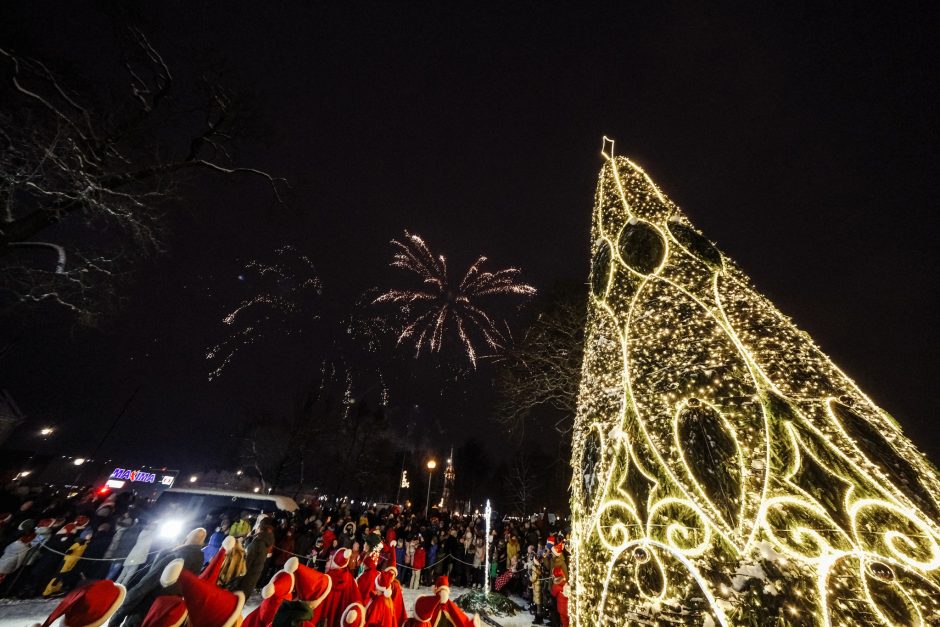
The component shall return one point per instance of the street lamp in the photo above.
(46, 431)
(431, 466)
(78, 461)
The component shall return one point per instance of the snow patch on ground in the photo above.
(23, 613)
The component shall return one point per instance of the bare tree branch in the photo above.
(543, 369)
(64, 162)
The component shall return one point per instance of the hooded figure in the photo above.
(311, 586)
(208, 605)
(215, 543)
(447, 612)
(560, 592)
(142, 596)
(344, 590)
(90, 605)
(366, 580)
(398, 602)
(275, 593)
(424, 610)
(380, 612)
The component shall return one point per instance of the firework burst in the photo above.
(286, 291)
(441, 306)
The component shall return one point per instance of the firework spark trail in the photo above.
(286, 287)
(447, 305)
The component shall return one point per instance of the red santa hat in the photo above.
(442, 588)
(383, 583)
(339, 559)
(353, 616)
(208, 604)
(167, 611)
(90, 605)
(425, 605)
(558, 574)
(392, 569)
(45, 525)
(280, 586)
(211, 572)
(312, 586)
(558, 549)
(390, 537)
(76, 525)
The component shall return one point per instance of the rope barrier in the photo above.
(96, 559)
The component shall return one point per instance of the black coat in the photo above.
(141, 597)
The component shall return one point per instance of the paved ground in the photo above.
(25, 613)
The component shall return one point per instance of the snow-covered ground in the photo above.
(14, 613)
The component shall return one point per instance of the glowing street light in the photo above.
(193, 479)
(431, 466)
(78, 461)
(46, 431)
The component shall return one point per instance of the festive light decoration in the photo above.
(446, 303)
(726, 471)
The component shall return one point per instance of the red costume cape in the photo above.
(345, 591)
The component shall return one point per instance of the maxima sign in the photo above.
(140, 476)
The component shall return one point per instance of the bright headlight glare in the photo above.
(171, 528)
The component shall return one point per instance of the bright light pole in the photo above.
(431, 466)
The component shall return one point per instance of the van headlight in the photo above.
(171, 529)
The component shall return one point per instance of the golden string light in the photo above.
(726, 471)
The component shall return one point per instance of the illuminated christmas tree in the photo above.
(726, 471)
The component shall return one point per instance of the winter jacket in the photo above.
(418, 561)
(123, 542)
(560, 592)
(255, 556)
(213, 546)
(141, 596)
(15, 554)
(138, 555)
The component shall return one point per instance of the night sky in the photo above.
(803, 140)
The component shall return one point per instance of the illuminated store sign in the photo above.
(134, 475)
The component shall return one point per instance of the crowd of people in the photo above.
(53, 545)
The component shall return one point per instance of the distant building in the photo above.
(10, 416)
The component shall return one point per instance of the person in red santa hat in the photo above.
(344, 592)
(353, 616)
(277, 591)
(446, 612)
(398, 602)
(560, 592)
(168, 610)
(424, 610)
(90, 605)
(388, 558)
(366, 580)
(380, 612)
(310, 586)
(208, 604)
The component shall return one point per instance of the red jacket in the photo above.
(560, 592)
(420, 558)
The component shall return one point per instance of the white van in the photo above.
(178, 510)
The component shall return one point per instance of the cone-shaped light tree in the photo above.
(726, 471)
